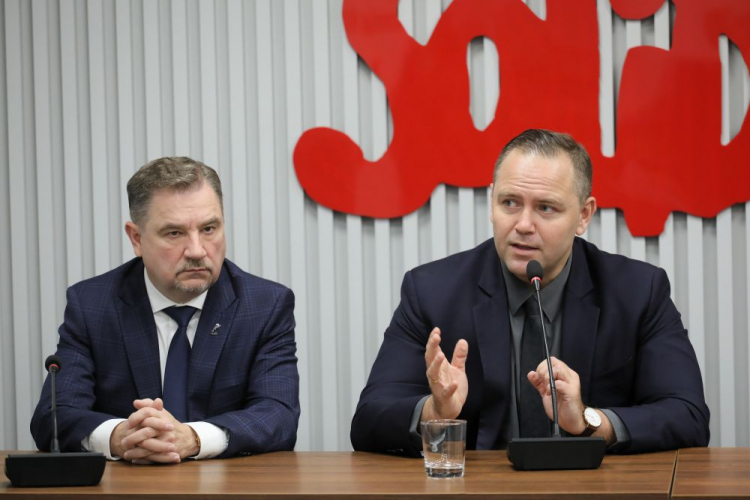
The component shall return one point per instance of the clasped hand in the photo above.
(152, 435)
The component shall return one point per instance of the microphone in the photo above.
(535, 273)
(55, 468)
(52, 364)
(556, 452)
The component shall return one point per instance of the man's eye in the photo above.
(173, 234)
(546, 209)
(209, 229)
(510, 203)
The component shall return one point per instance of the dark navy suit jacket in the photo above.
(621, 333)
(243, 379)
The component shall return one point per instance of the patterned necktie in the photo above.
(175, 373)
(532, 419)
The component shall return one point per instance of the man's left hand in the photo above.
(569, 403)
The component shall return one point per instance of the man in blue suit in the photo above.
(457, 346)
(178, 353)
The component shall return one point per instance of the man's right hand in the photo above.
(448, 381)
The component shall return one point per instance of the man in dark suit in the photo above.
(178, 353)
(623, 365)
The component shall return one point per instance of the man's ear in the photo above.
(134, 233)
(587, 212)
(492, 215)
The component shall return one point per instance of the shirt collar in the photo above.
(159, 301)
(552, 294)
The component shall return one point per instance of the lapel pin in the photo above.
(215, 329)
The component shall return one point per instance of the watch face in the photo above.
(593, 419)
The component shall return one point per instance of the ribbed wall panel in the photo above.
(93, 89)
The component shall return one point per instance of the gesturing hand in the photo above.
(447, 380)
(569, 403)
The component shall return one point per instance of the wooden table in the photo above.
(344, 475)
(712, 473)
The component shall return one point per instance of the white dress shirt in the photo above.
(214, 440)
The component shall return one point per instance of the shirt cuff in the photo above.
(98, 440)
(414, 431)
(622, 435)
(214, 439)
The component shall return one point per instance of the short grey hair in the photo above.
(177, 173)
(550, 144)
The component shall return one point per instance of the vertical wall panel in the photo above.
(604, 223)
(57, 280)
(7, 352)
(695, 319)
(410, 222)
(266, 139)
(85, 177)
(326, 266)
(239, 239)
(341, 243)
(280, 170)
(296, 222)
(95, 22)
(740, 416)
(180, 79)
(724, 276)
(72, 160)
(125, 117)
(355, 326)
(151, 54)
(45, 177)
(92, 90)
(382, 261)
(208, 92)
(633, 37)
(438, 200)
(19, 248)
(254, 209)
(666, 238)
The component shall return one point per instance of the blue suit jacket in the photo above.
(621, 333)
(243, 379)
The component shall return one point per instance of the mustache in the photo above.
(192, 264)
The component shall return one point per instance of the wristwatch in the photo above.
(593, 421)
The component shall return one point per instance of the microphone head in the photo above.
(53, 360)
(534, 270)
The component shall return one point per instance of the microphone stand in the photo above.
(55, 468)
(556, 452)
(553, 388)
(55, 445)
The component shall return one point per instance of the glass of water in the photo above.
(444, 443)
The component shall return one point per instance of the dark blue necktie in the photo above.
(176, 371)
(532, 419)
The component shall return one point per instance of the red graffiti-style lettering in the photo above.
(668, 154)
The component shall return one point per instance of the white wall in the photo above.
(94, 89)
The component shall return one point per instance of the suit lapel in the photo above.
(210, 337)
(492, 326)
(139, 334)
(580, 320)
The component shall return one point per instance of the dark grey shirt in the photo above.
(552, 297)
(518, 293)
